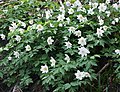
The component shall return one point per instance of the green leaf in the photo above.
(1, 74)
(67, 86)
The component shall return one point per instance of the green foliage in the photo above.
(38, 37)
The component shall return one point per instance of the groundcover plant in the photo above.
(59, 45)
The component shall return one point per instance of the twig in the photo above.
(17, 89)
(103, 68)
(2, 89)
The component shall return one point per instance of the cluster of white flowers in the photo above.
(80, 75)
(82, 50)
(63, 20)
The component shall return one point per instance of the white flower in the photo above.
(6, 48)
(79, 8)
(65, 38)
(107, 1)
(90, 3)
(83, 10)
(51, 25)
(105, 28)
(84, 19)
(16, 54)
(37, 9)
(79, 75)
(21, 30)
(82, 41)
(68, 20)
(28, 48)
(71, 29)
(51, 11)
(50, 40)
(86, 74)
(116, 20)
(62, 9)
(83, 51)
(68, 44)
(9, 58)
(53, 61)
(101, 21)
(39, 28)
(68, 3)
(44, 69)
(108, 13)
(70, 11)
(48, 14)
(99, 32)
(90, 11)
(2, 36)
(13, 27)
(94, 5)
(31, 22)
(77, 33)
(60, 24)
(98, 17)
(61, 17)
(18, 38)
(67, 58)
(117, 51)
(5, 11)
(115, 6)
(77, 3)
(23, 24)
(113, 22)
(80, 18)
(102, 7)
